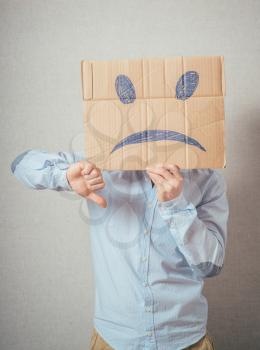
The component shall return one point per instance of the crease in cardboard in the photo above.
(185, 121)
(223, 82)
(164, 110)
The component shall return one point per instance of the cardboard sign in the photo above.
(145, 111)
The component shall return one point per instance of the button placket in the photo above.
(148, 304)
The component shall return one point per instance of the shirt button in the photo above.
(148, 308)
(145, 284)
(146, 232)
(144, 258)
(149, 204)
(149, 334)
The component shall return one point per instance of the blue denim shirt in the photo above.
(150, 258)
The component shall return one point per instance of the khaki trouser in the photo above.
(98, 343)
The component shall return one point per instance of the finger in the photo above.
(90, 176)
(93, 175)
(166, 174)
(96, 187)
(97, 199)
(174, 169)
(95, 181)
(87, 168)
(157, 179)
(95, 171)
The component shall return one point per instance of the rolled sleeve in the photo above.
(200, 232)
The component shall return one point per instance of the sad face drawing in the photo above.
(185, 87)
(142, 111)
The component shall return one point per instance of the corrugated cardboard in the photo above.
(183, 95)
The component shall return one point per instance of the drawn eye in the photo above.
(186, 85)
(125, 89)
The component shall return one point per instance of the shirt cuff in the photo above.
(175, 204)
(63, 181)
(179, 214)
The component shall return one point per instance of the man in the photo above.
(152, 246)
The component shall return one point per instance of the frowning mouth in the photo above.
(157, 135)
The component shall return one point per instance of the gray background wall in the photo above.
(46, 277)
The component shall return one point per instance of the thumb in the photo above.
(97, 199)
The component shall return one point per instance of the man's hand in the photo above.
(85, 178)
(168, 180)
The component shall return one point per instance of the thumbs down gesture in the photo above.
(85, 179)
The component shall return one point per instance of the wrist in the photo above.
(67, 181)
(177, 202)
